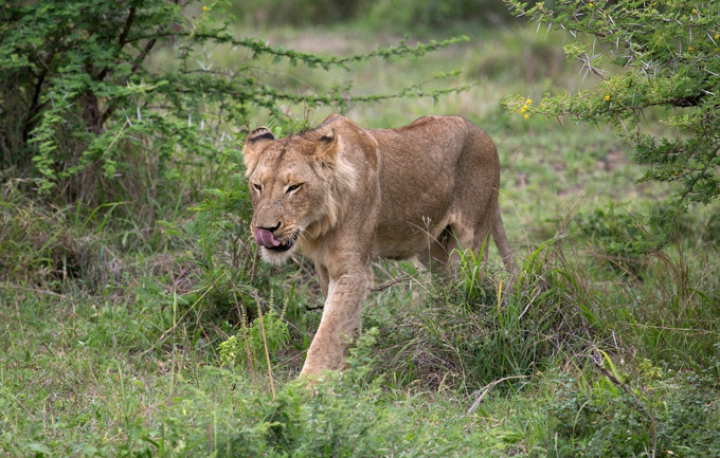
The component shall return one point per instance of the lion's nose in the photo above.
(269, 228)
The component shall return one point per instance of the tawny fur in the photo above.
(347, 195)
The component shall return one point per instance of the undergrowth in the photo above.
(600, 367)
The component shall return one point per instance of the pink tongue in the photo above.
(265, 238)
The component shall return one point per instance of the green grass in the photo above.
(112, 319)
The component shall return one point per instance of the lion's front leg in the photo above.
(323, 278)
(340, 323)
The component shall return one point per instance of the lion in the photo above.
(345, 196)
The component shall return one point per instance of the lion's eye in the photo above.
(293, 187)
(257, 187)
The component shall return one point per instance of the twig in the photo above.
(597, 361)
(265, 346)
(390, 283)
(488, 387)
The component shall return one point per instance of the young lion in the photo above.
(345, 196)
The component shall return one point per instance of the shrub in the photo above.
(624, 241)
(668, 50)
(90, 112)
(480, 328)
(648, 416)
(346, 415)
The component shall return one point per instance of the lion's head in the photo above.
(297, 186)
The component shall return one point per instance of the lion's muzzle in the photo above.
(267, 240)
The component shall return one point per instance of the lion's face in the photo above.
(286, 199)
(289, 180)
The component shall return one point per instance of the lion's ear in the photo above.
(328, 146)
(254, 144)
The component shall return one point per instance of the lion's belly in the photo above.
(403, 235)
(399, 249)
(425, 168)
(412, 213)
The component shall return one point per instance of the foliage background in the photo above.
(669, 50)
(131, 295)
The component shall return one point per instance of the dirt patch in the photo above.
(612, 160)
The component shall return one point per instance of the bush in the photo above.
(624, 241)
(91, 113)
(345, 415)
(669, 52)
(479, 328)
(606, 416)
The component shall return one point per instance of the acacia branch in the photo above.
(35, 104)
(122, 41)
(260, 48)
(138, 60)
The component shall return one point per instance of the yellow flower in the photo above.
(591, 4)
(204, 9)
(528, 102)
(691, 49)
(694, 11)
(526, 116)
(523, 109)
(717, 37)
(607, 98)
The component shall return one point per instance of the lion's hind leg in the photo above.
(492, 226)
(466, 236)
(436, 256)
